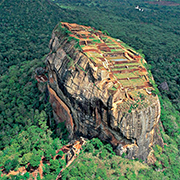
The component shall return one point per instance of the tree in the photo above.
(96, 143)
(54, 164)
(103, 153)
(10, 164)
(88, 147)
(36, 158)
(26, 158)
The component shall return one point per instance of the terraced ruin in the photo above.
(125, 66)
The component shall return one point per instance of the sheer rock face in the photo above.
(100, 88)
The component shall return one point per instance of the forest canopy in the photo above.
(28, 129)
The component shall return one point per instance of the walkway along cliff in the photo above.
(100, 87)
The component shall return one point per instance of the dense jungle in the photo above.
(28, 130)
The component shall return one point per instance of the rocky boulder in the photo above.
(100, 87)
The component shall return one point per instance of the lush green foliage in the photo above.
(97, 160)
(30, 145)
(19, 97)
(27, 129)
(25, 112)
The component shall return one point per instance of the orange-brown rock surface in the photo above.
(100, 87)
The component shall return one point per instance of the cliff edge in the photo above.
(100, 87)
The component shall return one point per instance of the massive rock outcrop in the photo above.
(100, 87)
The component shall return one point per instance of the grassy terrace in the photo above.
(116, 50)
(127, 64)
(112, 44)
(125, 75)
(93, 54)
(119, 68)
